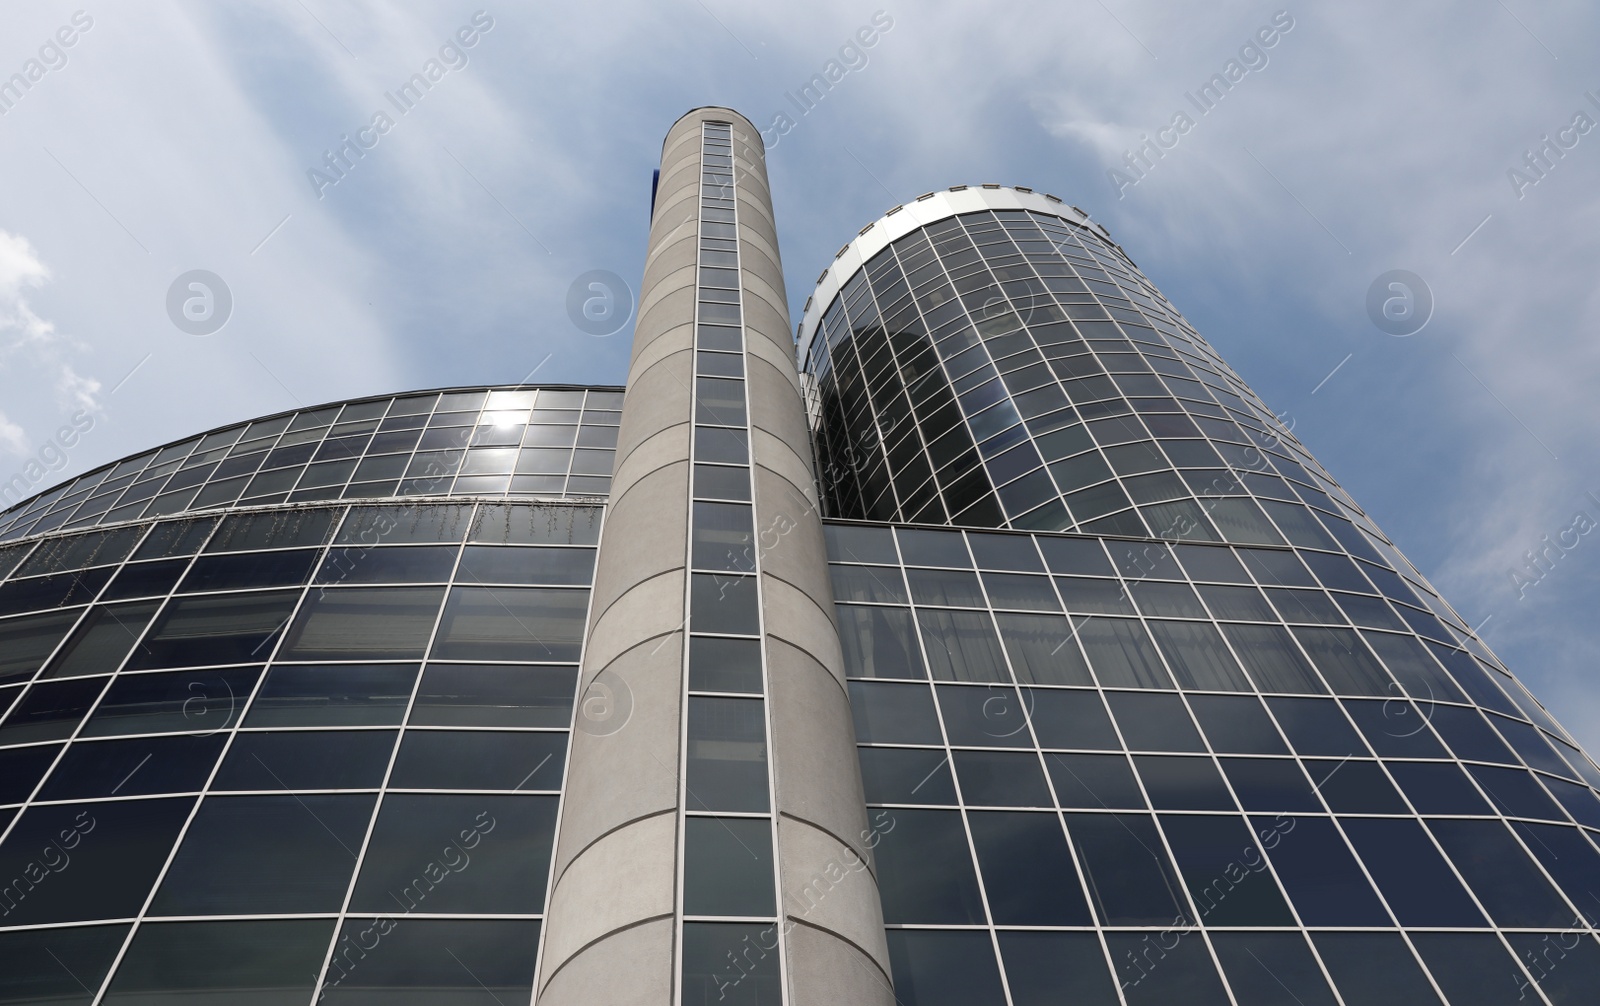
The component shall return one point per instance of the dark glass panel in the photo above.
(1269, 654)
(1048, 969)
(1226, 872)
(1042, 650)
(894, 714)
(952, 587)
(1355, 787)
(339, 695)
(199, 702)
(1515, 792)
(879, 584)
(1570, 859)
(1319, 873)
(723, 536)
(256, 569)
(62, 967)
(1154, 722)
(984, 717)
(727, 866)
(408, 524)
(723, 603)
(1566, 965)
(480, 759)
(114, 851)
(306, 759)
(961, 645)
(1317, 727)
(429, 962)
(255, 855)
(1474, 969)
(1198, 657)
(1236, 725)
(1001, 779)
(263, 963)
(25, 643)
(273, 529)
(851, 543)
(145, 579)
(488, 695)
(1411, 874)
(735, 963)
(1172, 966)
(1265, 968)
(907, 775)
(1088, 782)
(415, 564)
(877, 643)
(1468, 735)
(512, 623)
(22, 768)
(176, 537)
(1344, 662)
(536, 524)
(356, 623)
(102, 639)
(446, 853)
(1083, 556)
(1070, 719)
(925, 872)
(1130, 880)
(933, 548)
(1183, 783)
(1374, 969)
(727, 754)
(933, 968)
(734, 665)
(1395, 728)
(1270, 784)
(1506, 882)
(1028, 873)
(228, 629)
(52, 591)
(50, 711)
(1438, 788)
(1121, 654)
(133, 767)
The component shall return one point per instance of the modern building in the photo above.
(980, 640)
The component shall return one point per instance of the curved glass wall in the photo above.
(1013, 368)
(507, 441)
(288, 754)
(1202, 774)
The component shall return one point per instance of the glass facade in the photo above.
(1146, 710)
(290, 753)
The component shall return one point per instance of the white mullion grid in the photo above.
(110, 679)
(566, 769)
(388, 772)
(194, 808)
(1060, 812)
(949, 759)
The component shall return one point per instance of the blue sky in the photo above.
(172, 137)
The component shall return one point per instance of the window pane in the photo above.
(203, 702)
(1049, 969)
(894, 713)
(1438, 788)
(723, 603)
(1070, 719)
(877, 642)
(1276, 784)
(925, 871)
(50, 710)
(1475, 969)
(732, 665)
(256, 569)
(418, 564)
(57, 966)
(933, 968)
(480, 759)
(267, 963)
(431, 961)
(727, 751)
(907, 775)
(727, 866)
(395, 525)
(1183, 783)
(102, 640)
(132, 767)
(1410, 873)
(266, 854)
(1130, 880)
(1154, 722)
(1269, 654)
(306, 759)
(422, 844)
(536, 524)
(358, 623)
(21, 769)
(1042, 650)
(984, 717)
(274, 529)
(226, 629)
(1317, 727)
(1506, 882)
(341, 695)
(115, 851)
(1264, 967)
(509, 564)
(1319, 873)
(723, 534)
(1001, 779)
(512, 623)
(731, 962)
(1028, 872)
(961, 646)
(491, 695)
(1172, 966)
(1121, 654)
(1236, 725)
(1374, 969)
(1344, 662)
(1089, 782)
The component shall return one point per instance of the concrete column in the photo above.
(610, 936)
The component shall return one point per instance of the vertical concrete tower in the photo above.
(716, 848)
